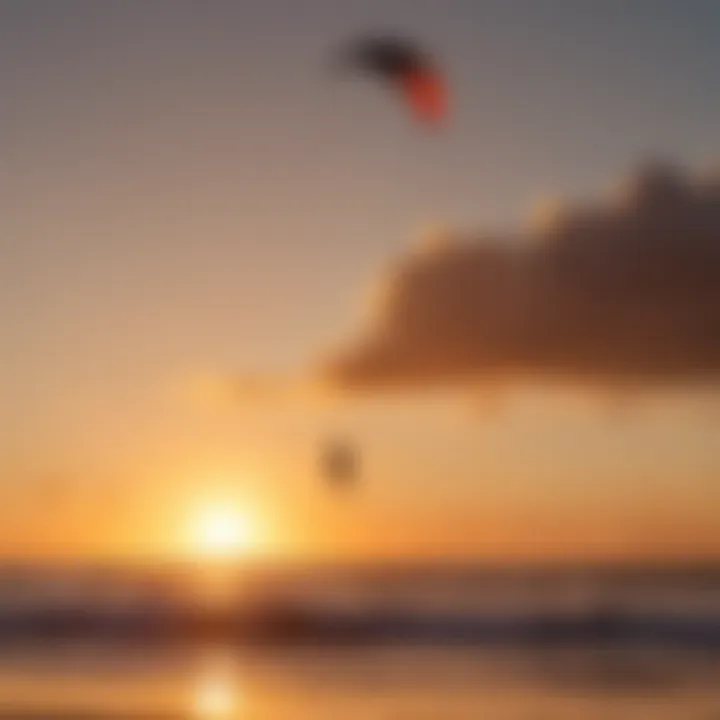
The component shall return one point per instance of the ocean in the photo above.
(394, 642)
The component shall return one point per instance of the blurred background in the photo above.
(388, 393)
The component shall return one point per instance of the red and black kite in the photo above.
(405, 68)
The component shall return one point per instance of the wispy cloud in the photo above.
(627, 290)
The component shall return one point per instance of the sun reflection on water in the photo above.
(217, 694)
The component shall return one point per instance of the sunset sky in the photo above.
(186, 188)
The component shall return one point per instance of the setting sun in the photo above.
(221, 530)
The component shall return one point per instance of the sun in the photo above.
(221, 530)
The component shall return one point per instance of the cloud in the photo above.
(626, 291)
(214, 391)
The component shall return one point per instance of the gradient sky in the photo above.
(184, 185)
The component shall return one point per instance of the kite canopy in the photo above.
(406, 68)
(339, 463)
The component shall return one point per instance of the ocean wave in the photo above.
(298, 623)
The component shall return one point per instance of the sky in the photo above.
(186, 187)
